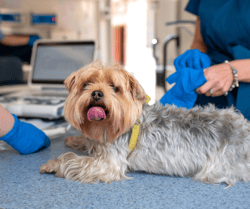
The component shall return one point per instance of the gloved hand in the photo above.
(183, 93)
(32, 40)
(26, 138)
(192, 58)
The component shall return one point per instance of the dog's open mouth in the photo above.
(96, 113)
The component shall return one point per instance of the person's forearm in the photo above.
(243, 67)
(198, 42)
(200, 46)
(6, 121)
(12, 40)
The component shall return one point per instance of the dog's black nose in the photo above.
(97, 95)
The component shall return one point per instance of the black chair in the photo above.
(10, 71)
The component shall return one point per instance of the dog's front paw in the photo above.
(52, 166)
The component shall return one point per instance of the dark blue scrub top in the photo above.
(225, 29)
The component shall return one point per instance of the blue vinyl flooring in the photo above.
(22, 186)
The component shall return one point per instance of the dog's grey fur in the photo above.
(211, 145)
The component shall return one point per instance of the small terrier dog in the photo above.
(211, 145)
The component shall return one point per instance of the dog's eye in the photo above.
(114, 88)
(86, 84)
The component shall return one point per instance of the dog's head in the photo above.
(103, 102)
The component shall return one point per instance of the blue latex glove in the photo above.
(192, 58)
(183, 93)
(26, 138)
(32, 40)
(188, 77)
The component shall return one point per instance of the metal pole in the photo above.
(166, 41)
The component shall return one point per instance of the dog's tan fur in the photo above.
(123, 105)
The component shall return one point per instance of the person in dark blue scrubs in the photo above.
(223, 33)
(17, 45)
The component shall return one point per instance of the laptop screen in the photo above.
(54, 61)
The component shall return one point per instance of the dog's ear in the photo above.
(69, 82)
(136, 89)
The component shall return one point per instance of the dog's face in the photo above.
(103, 102)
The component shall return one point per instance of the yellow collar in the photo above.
(135, 131)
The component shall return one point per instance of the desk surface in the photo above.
(22, 186)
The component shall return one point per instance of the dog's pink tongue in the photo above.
(96, 113)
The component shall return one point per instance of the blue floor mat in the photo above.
(22, 186)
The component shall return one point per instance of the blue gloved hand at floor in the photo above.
(26, 138)
(192, 58)
(32, 40)
(183, 93)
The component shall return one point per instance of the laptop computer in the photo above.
(52, 62)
